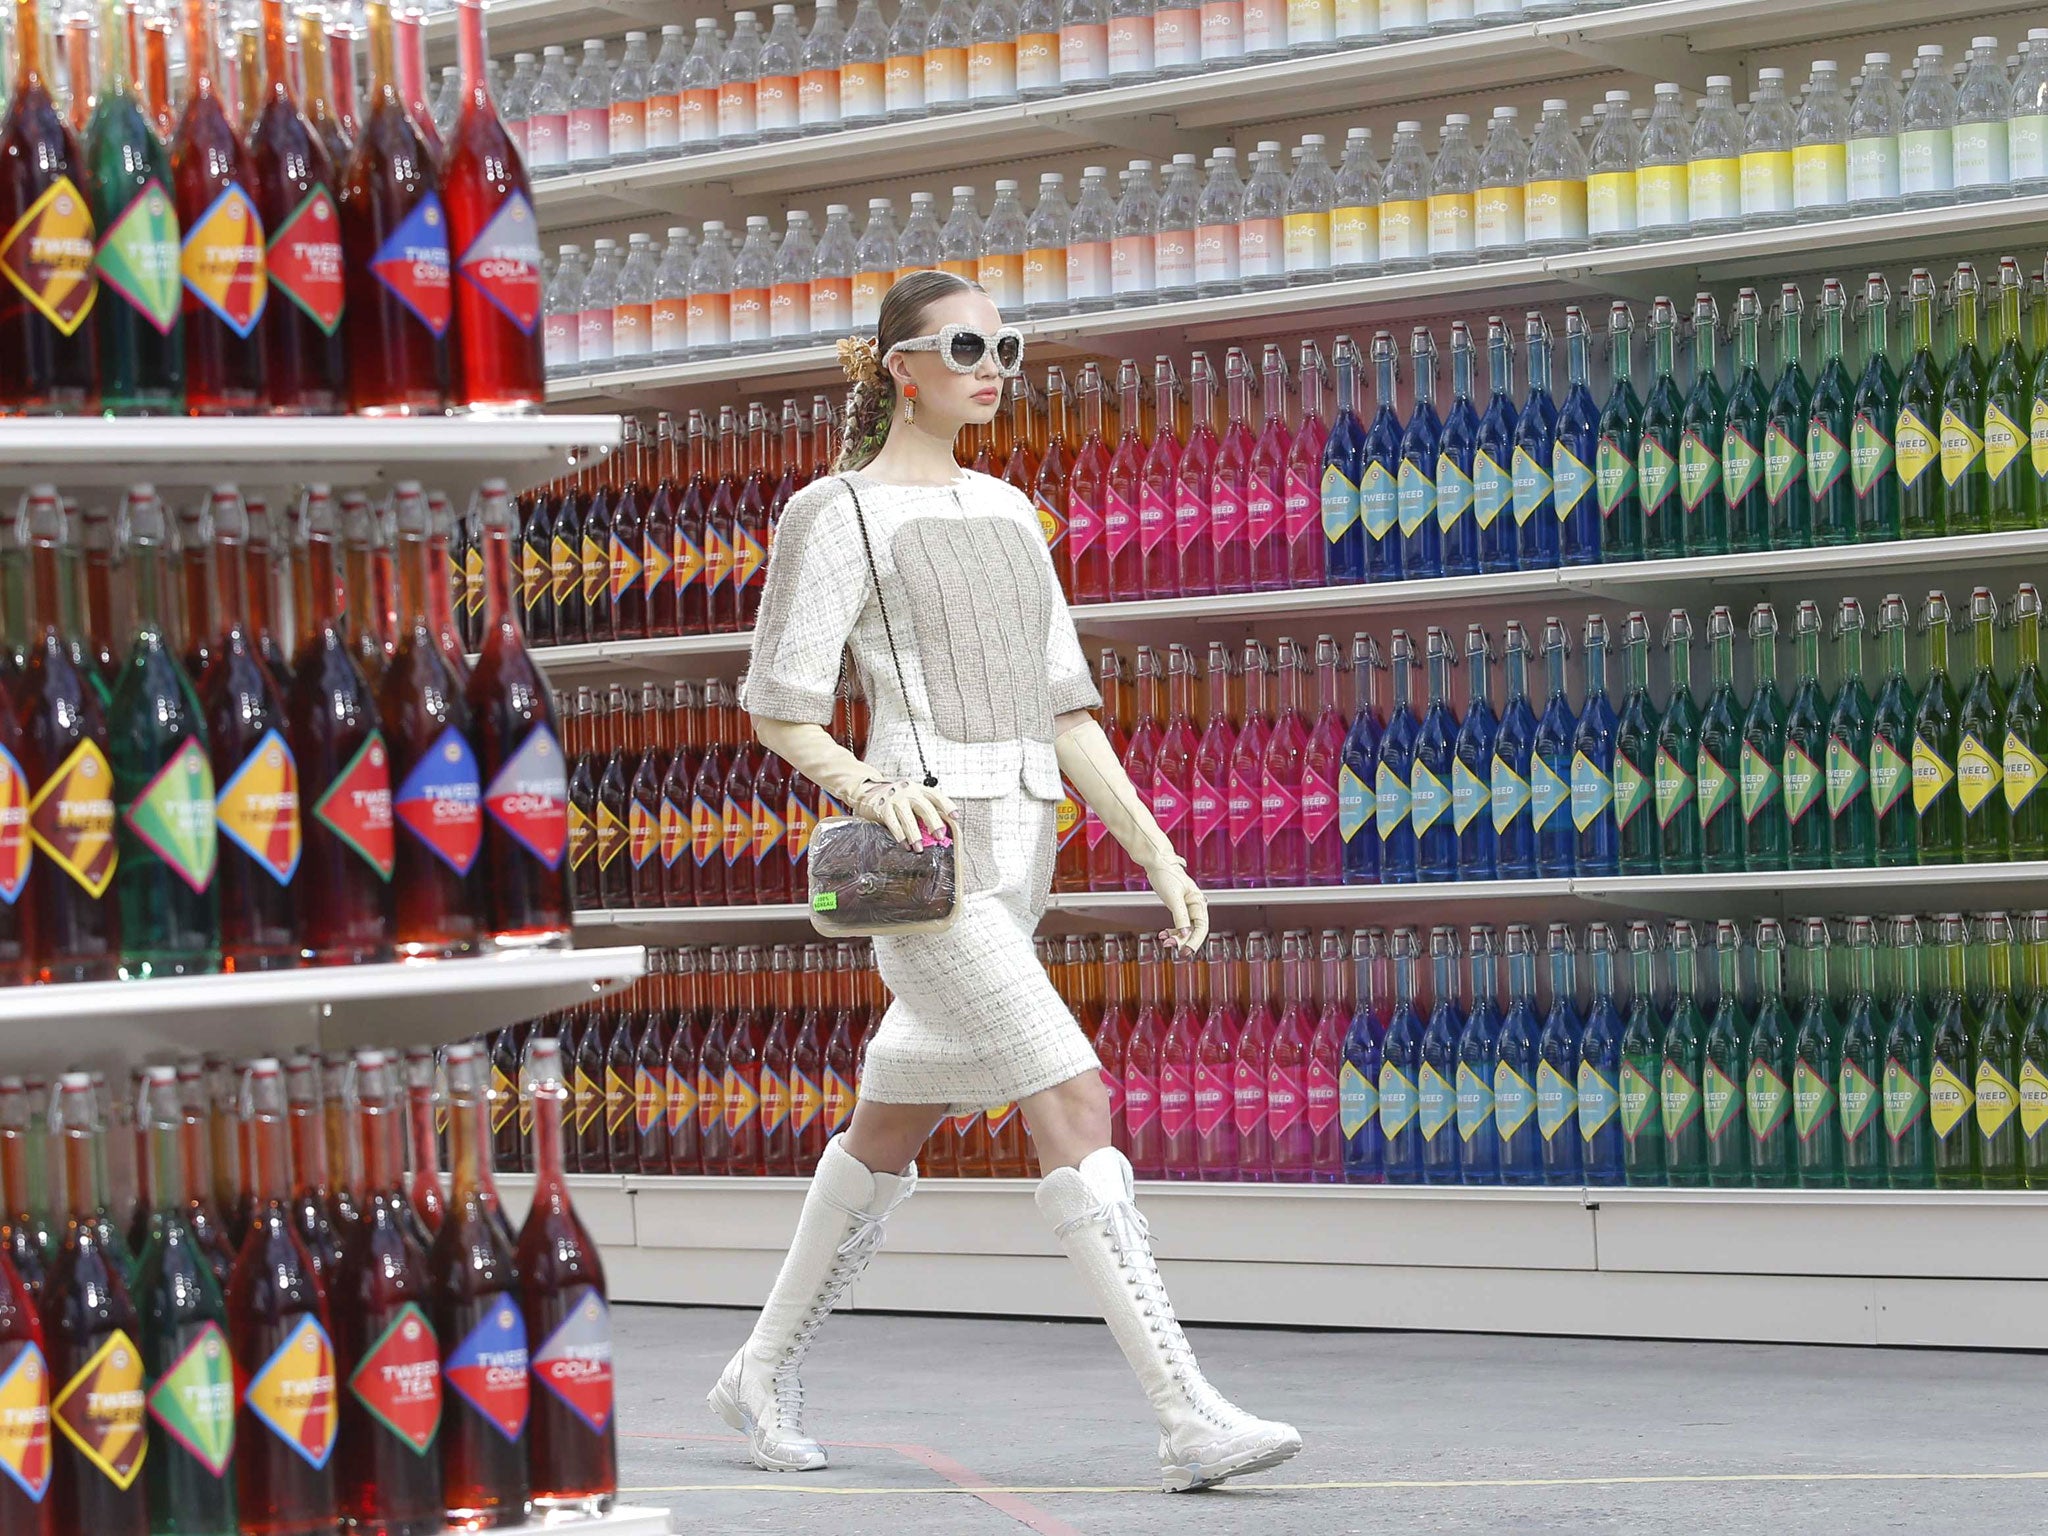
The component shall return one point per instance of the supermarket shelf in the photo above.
(453, 453)
(116, 1023)
(527, 24)
(1955, 1269)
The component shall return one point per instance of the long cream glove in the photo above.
(910, 811)
(1091, 766)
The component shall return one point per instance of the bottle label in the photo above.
(1304, 507)
(529, 797)
(1713, 188)
(1915, 448)
(1784, 463)
(1981, 153)
(575, 1363)
(1978, 772)
(1826, 459)
(1452, 224)
(1858, 1098)
(1084, 527)
(1870, 455)
(194, 1401)
(1640, 1116)
(1391, 802)
(357, 806)
(399, 1380)
(1610, 202)
(1453, 492)
(138, 257)
(1846, 775)
(1557, 1101)
(25, 1416)
(1120, 523)
(1279, 810)
(1767, 181)
(1141, 1101)
(1722, 1098)
(622, 567)
(1414, 498)
(1699, 471)
(582, 837)
(1510, 793)
(1905, 1100)
(304, 260)
(1532, 485)
(440, 802)
(1493, 489)
(503, 263)
(1215, 1100)
(1741, 465)
(665, 119)
(1307, 237)
(769, 829)
(2022, 773)
(1571, 480)
(590, 132)
(1174, 257)
(1874, 169)
(1265, 511)
(172, 816)
(1949, 1099)
(1996, 1100)
(1498, 219)
(1679, 1099)
(1549, 791)
(1469, 795)
(1657, 474)
(1354, 236)
(100, 1411)
(1890, 775)
(2003, 443)
(1228, 515)
(1318, 804)
(1475, 1103)
(293, 1393)
(1222, 30)
(804, 1102)
(1355, 804)
(1379, 503)
(223, 261)
(1427, 798)
(48, 256)
(1631, 791)
(1674, 787)
(1176, 1099)
(1513, 1101)
(737, 831)
(1803, 782)
(1592, 791)
(1358, 1100)
(1614, 474)
(799, 822)
(1597, 1100)
(1717, 786)
(2027, 146)
(1760, 781)
(673, 832)
(72, 817)
(1435, 1102)
(489, 1368)
(1662, 199)
(413, 263)
(1961, 447)
(1398, 1104)
(1554, 211)
(1319, 1098)
(681, 1095)
(1404, 231)
(1084, 54)
(991, 70)
(258, 807)
(1931, 775)
(2033, 1111)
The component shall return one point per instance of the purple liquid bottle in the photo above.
(1209, 813)
(1266, 505)
(1280, 798)
(1216, 1144)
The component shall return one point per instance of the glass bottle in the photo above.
(1575, 452)
(1682, 1066)
(1818, 1061)
(1378, 487)
(1743, 481)
(1392, 806)
(1477, 1056)
(227, 284)
(1415, 497)
(1611, 176)
(1770, 132)
(1765, 813)
(1908, 1042)
(1159, 479)
(1703, 492)
(1717, 780)
(1458, 529)
(1515, 1066)
(1828, 489)
(1995, 1043)
(1663, 206)
(1550, 763)
(1354, 211)
(1430, 773)
(1965, 483)
(1472, 765)
(1536, 529)
(1400, 1068)
(1404, 203)
(1512, 766)
(1768, 1099)
(1937, 803)
(2033, 1058)
(1875, 408)
(1618, 534)
(1558, 1052)
(1358, 1079)
(1593, 763)
(2012, 490)
(1174, 243)
(1952, 1056)
(1493, 455)
(1357, 796)
(1453, 191)
(1726, 1061)
(1636, 765)
(1858, 1097)
(1657, 454)
(1803, 774)
(1917, 443)
(1641, 1054)
(1980, 759)
(1436, 1094)
(1599, 1075)
(1895, 820)
(2025, 739)
(1791, 508)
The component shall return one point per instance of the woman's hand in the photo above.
(1091, 766)
(1185, 904)
(914, 814)
(911, 812)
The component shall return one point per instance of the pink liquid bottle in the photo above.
(1107, 861)
(1088, 497)
(1194, 545)
(1144, 1065)
(1304, 512)
(1251, 1063)
(1292, 1146)
(1326, 1064)
(1266, 496)
(1112, 1036)
(1246, 785)
(1141, 756)
(1125, 490)
(1050, 489)
(1230, 483)
(1209, 812)
(1158, 488)
(1173, 766)
(1322, 764)
(1215, 1065)
(1177, 1072)
(1280, 826)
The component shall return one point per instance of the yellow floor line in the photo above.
(1392, 1484)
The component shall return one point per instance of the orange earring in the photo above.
(910, 391)
(910, 402)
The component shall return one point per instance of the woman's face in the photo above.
(966, 399)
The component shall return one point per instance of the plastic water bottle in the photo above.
(1312, 25)
(864, 67)
(699, 128)
(1554, 197)
(590, 110)
(992, 54)
(1404, 202)
(515, 104)
(1820, 163)
(1089, 259)
(1174, 226)
(739, 75)
(448, 101)
(1265, 29)
(1216, 220)
(709, 318)
(1046, 234)
(594, 319)
(629, 102)
(1038, 49)
(633, 307)
(1983, 153)
(1453, 196)
(671, 326)
(1452, 15)
(903, 86)
(1130, 42)
(1611, 175)
(1401, 20)
(1084, 44)
(753, 286)
(1355, 210)
(779, 87)
(1663, 202)
(817, 94)
(947, 40)
(1769, 134)
(1261, 223)
(1499, 230)
(1358, 21)
(1874, 119)
(1311, 196)
(564, 307)
(1000, 266)
(2027, 132)
(1177, 37)
(547, 123)
(1714, 170)
(1927, 168)
(789, 301)
(918, 246)
(1222, 33)
(832, 274)
(875, 264)
(960, 235)
(665, 93)
(1134, 248)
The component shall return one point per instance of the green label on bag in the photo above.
(825, 901)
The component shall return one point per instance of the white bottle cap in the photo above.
(915, 199)
(636, 37)
(673, 29)
(1990, 43)
(1190, 159)
(1930, 50)
(1668, 88)
(1095, 170)
(714, 226)
(1005, 185)
(1458, 120)
(1720, 81)
(1408, 127)
(1876, 58)
(757, 221)
(1621, 96)
(832, 208)
(1824, 66)
(803, 215)
(571, 250)
(1313, 138)
(963, 192)
(554, 51)
(1556, 104)
(1761, 75)
(1509, 113)
(593, 42)
(1224, 152)
(639, 237)
(1050, 179)
(877, 202)
(601, 246)
(678, 232)
(522, 58)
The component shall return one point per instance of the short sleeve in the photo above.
(816, 585)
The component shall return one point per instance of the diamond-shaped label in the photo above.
(48, 255)
(1742, 465)
(1846, 774)
(1598, 1100)
(1493, 489)
(258, 807)
(441, 802)
(1631, 790)
(413, 263)
(1514, 1101)
(17, 847)
(1453, 492)
(1614, 474)
(305, 259)
(1784, 463)
(1812, 1098)
(2004, 442)
(25, 1418)
(1549, 791)
(100, 1410)
(529, 796)
(2023, 771)
(194, 1401)
(503, 262)
(1826, 459)
(1679, 1098)
(1978, 772)
(1398, 1103)
(1859, 1100)
(1427, 800)
(399, 1380)
(357, 806)
(1571, 479)
(139, 259)
(1949, 1099)
(489, 1366)
(1721, 1097)
(1592, 791)
(1890, 775)
(1533, 485)
(576, 1361)
(1996, 1100)
(1509, 794)
(1378, 501)
(1390, 801)
(173, 815)
(293, 1393)
(1870, 455)
(1931, 774)
(72, 817)
(1414, 498)
(1905, 1100)
(1914, 448)
(1961, 447)
(1674, 787)
(1760, 782)
(1699, 471)
(1656, 474)
(223, 261)
(1803, 782)
(1717, 786)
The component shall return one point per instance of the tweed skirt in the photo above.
(975, 1020)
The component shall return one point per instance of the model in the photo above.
(998, 703)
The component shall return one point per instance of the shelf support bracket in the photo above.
(1651, 58)
(1153, 136)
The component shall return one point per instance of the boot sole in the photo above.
(1204, 1475)
(728, 1407)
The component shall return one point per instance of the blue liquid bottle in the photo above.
(1536, 544)
(1378, 490)
(1557, 1067)
(1343, 469)
(1478, 1055)
(1493, 459)
(1550, 765)
(1599, 839)
(1436, 1091)
(1430, 775)
(1455, 448)
(1397, 759)
(1401, 1068)
(1575, 451)
(1508, 781)
(1514, 1072)
(1600, 1068)
(1358, 1080)
(1422, 542)
(1472, 763)
(1357, 802)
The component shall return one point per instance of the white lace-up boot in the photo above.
(759, 1392)
(1203, 1437)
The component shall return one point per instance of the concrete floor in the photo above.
(961, 1426)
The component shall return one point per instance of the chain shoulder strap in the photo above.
(931, 780)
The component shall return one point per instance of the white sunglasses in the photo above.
(962, 347)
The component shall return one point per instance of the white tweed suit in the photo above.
(989, 657)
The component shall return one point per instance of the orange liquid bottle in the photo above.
(423, 1191)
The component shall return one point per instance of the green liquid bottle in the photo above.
(163, 779)
(1677, 759)
(1700, 491)
(1764, 833)
(1952, 1069)
(1808, 842)
(1635, 757)
(1657, 479)
(1727, 1064)
(1817, 1114)
(1683, 1066)
(1767, 1064)
(1875, 414)
(1965, 486)
(1785, 487)
(1852, 827)
(1997, 1041)
(2033, 1056)
(1859, 1098)
(1916, 443)
(1743, 425)
(1936, 804)
(1830, 487)
(1980, 744)
(2014, 494)
(2024, 767)
(1642, 1065)
(1719, 759)
(1621, 432)
(1908, 1063)
(1891, 744)
(2037, 402)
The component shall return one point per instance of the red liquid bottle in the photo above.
(800, 820)
(520, 759)
(1232, 481)
(712, 1141)
(341, 64)
(614, 773)
(1266, 495)
(574, 1456)
(367, 558)
(1019, 468)
(410, 25)
(24, 1187)
(312, 1204)
(721, 529)
(688, 569)
(224, 1131)
(1193, 536)
(1216, 1138)
(344, 1156)
(1326, 1065)
(227, 283)
(1052, 484)
(440, 893)
(658, 535)
(841, 1046)
(1287, 1129)
(1209, 798)
(587, 1152)
(304, 368)
(156, 58)
(495, 237)
(1280, 825)
(385, 1349)
(257, 806)
(625, 591)
(1251, 1063)
(594, 553)
(343, 885)
(742, 1084)
(448, 603)
(97, 534)
(268, 580)
(507, 1147)
(1173, 766)
(423, 1191)
(1140, 757)
(482, 1330)
(1177, 1124)
(26, 1508)
(685, 1047)
(1322, 764)
(315, 71)
(202, 1211)
(18, 939)
(708, 799)
(794, 471)
(1124, 491)
(1303, 515)
(643, 798)
(1107, 860)
(622, 1145)
(1145, 1065)
(1159, 550)
(536, 591)
(65, 778)
(565, 564)
(578, 743)
(286, 1423)
(394, 240)
(1088, 494)
(92, 1332)
(47, 363)
(650, 1067)
(1245, 788)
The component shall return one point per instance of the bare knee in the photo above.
(1069, 1120)
(886, 1137)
